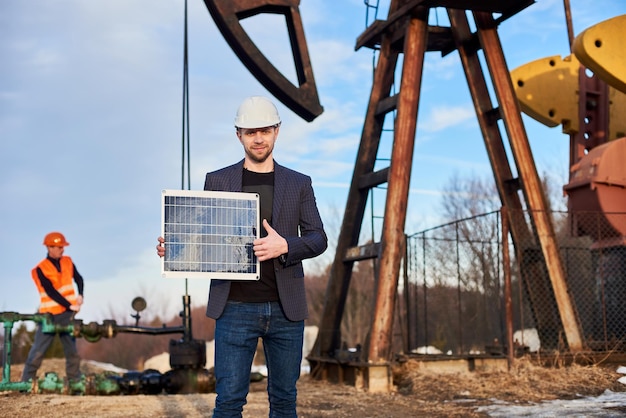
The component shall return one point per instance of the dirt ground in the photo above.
(418, 393)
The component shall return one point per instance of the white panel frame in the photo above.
(200, 236)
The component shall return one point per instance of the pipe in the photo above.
(188, 358)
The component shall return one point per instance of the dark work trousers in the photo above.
(42, 343)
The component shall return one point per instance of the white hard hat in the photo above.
(256, 112)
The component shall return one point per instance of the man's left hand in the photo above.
(272, 246)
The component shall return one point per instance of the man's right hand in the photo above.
(160, 247)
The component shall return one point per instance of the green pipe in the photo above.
(6, 360)
(48, 327)
(16, 386)
(8, 319)
(103, 384)
(52, 383)
(98, 384)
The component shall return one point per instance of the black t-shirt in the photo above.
(263, 290)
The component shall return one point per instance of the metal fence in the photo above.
(454, 287)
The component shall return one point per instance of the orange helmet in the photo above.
(55, 239)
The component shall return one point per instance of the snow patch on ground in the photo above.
(106, 366)
(609, 404)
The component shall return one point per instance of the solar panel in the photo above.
(210, 234)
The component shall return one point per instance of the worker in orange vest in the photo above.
(54, 277)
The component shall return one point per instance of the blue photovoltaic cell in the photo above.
(210, 234)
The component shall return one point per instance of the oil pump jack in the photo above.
(406, 32)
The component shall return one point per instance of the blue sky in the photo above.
(91, 123)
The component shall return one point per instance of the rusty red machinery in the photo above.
(598, 185)
(589, 106)
(585, 92)
(598, 148)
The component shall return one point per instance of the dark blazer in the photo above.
(296, 218)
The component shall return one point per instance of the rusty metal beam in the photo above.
(531, 184)
(370, 37)
(375, 178)
(329, 337)
(416, 40)
(533, 270)
(302, 99)
(507, 185)
(363, 252)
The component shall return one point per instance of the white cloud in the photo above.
(443, 116)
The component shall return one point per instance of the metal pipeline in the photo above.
(93, 331)
(148, 382)
(187, 358)
(8, 319)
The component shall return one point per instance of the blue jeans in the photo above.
(236, 336)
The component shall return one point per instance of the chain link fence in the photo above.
(455, 293)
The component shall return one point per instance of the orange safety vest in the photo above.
(61, 280)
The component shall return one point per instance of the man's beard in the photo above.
(259, 159)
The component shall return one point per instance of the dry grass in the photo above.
(526, 381)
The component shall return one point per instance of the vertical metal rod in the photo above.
(416, 40)
(461, 347)
(485, 331)
(186, 154)
(329, 337)
(6, 358)
(187, 332)
(425, 290)
(406, 291)
(185, 134)
(568, 22)
(508, 301)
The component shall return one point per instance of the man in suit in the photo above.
(273, 308)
